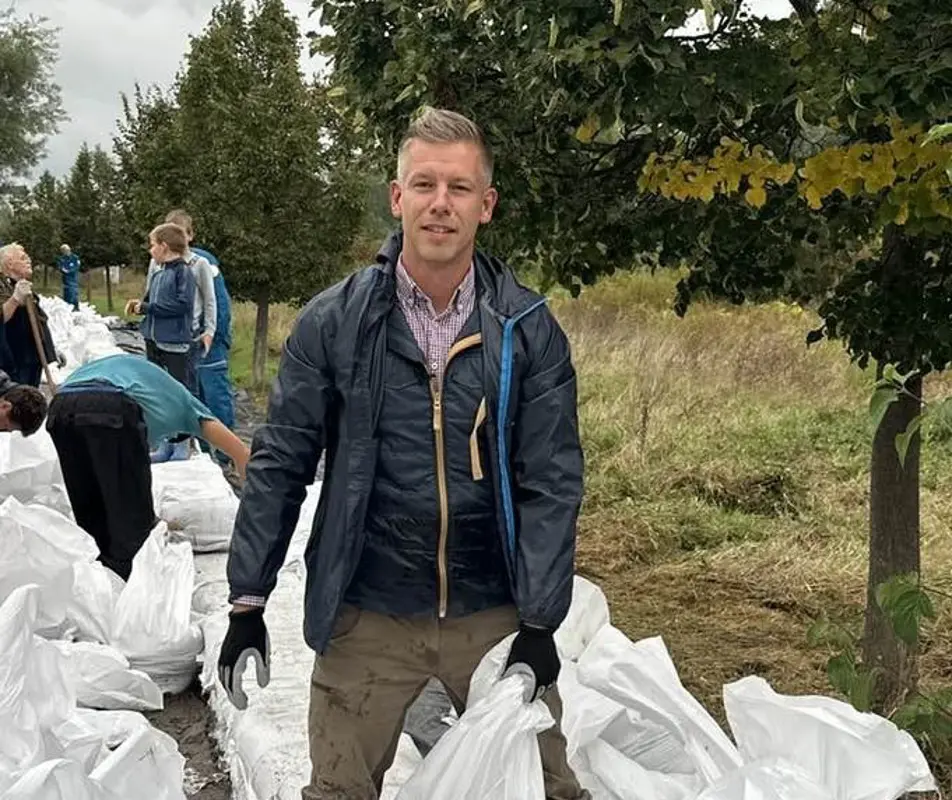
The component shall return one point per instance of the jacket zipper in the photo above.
(436, 390)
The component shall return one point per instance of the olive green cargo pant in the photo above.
(373, 669)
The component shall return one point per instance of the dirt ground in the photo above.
(189, 721)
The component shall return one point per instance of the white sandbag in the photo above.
(30, 470)
(114, 726)
(77, 740)
(855, 756)
(59, 779)
(196, 500)
(610, 775)
(34, 695)
(611, 747)
(588, 614)
(147, 766)
(91, 608)
(493, 751)
(641, 677)
(767, 780)
(405, 762)
(101, 678)
(152, 625)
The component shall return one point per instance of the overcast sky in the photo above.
(106, 46)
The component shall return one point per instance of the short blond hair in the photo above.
(171, 235)
(180, 217)
(441, 126)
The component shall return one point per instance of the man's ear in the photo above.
(396, 195)
(6, 424)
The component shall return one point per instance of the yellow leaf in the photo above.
(587, 130)
(784, 174)
(756, 196)
(902, 216)
(814, 198)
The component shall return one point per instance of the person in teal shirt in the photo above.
(103, 421)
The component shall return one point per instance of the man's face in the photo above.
(442, 199)
(18, 265)
(6, 424)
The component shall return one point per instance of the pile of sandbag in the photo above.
(634, 733)
(30, 470)
(81, 336)
(51, 748)
(195, 500)
(142, 626)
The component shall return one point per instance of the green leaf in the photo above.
(337, 91)
(879, 403)
(861, 690)
(619, 8)
(905, 438)
(841, 671)
(473, 7)
(890, 373)
(823, 632)
(553, 32)
(905, 603)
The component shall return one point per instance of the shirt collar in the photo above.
(411, 294)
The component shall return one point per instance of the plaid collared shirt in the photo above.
(435, 333)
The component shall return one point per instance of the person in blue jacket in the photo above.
(214, 385)
(69, 264)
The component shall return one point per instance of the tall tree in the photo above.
(30, 107)
(92, 217)
(875, 184)
(270, 177)
(153, 166)
(35, 221)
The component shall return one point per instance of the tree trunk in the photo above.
(109, 288)
(260, 356)
(89, 286)
(893, 548)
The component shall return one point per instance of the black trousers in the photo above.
(103, 448)
(176, 364)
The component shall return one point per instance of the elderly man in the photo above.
(19, 357)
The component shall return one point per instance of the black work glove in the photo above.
(533, 653)
(60, 359)
(247, 637)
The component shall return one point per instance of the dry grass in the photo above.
(727, 483)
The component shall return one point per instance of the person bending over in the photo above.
(103, 420)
